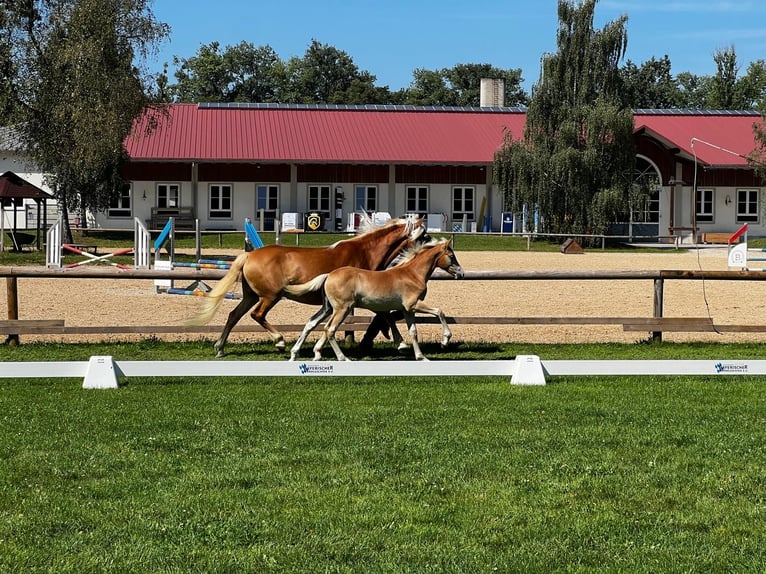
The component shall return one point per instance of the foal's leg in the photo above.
(409, 316)
(249, 298)
(421, 307)
(339, 315)
(316, 318)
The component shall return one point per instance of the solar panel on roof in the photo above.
(359, 107)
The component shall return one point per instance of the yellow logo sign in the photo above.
(313, 221)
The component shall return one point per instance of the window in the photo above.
(417, 199)
(747, 205)
(319, 198)
(463, 203)
(220, 201)
(168, 195)
(366, 198)
(120, 205)
(705, 202)
(267, 199)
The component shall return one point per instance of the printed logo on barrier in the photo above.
(313, 221)
(730, 368)
(315, 369)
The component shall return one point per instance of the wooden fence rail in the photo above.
(655, 324)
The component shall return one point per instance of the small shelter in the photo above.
(13, 191)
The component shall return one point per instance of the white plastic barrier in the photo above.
(103, 372)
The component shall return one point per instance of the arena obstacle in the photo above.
(739, 254)
(737, 257)
(55, 247)
(198, 288)
(103, 372)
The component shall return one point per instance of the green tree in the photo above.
(240, 73)
(722, 89)
(578, 138)
(461, 86)
(429, 88)
(752, 87)
(327, 75)
(650, 85)
(78, 82)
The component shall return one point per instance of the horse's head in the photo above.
(448, 261)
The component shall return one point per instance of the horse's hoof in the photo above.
(422, 358)
(219, 354)
(280, 346)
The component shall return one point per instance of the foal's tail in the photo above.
(212, 299)
(309, 287)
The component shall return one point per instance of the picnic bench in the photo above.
(183, 217)
(714, 237)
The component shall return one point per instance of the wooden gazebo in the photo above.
(13, 191)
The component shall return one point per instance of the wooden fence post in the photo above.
(659, 287)
(12, 291)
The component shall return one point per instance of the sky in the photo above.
(391, 38)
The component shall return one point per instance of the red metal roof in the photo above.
(716, 138)
(399, 135)
(325, 135)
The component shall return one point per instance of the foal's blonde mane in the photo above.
(410, 252)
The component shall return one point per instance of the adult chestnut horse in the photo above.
(399, 288)
(265, 272)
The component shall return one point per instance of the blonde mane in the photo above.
(367, 225)
(408, 254)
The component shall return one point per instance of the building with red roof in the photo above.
(226, 162)
(222, 163)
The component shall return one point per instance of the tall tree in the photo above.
(650, 85)
(240, 73)
(326, 74)
(577, 144)
(752, 87)
(722, 90)
(78, 81)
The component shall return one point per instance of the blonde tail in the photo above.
(314, 285)
(213, 299)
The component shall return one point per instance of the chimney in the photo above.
(492, 93)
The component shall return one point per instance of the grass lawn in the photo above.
(619, 474)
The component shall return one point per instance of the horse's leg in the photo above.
(259, 315)
(379, 324)
(421, 307)
(409, 316)
(249, 298)
(316, 318)
(338, 316)
(395, 334)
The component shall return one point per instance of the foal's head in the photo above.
(445, 257)
(448, 261)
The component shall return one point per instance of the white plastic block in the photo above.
(101, 374)
(527, 370)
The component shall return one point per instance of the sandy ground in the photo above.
(134, 302)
